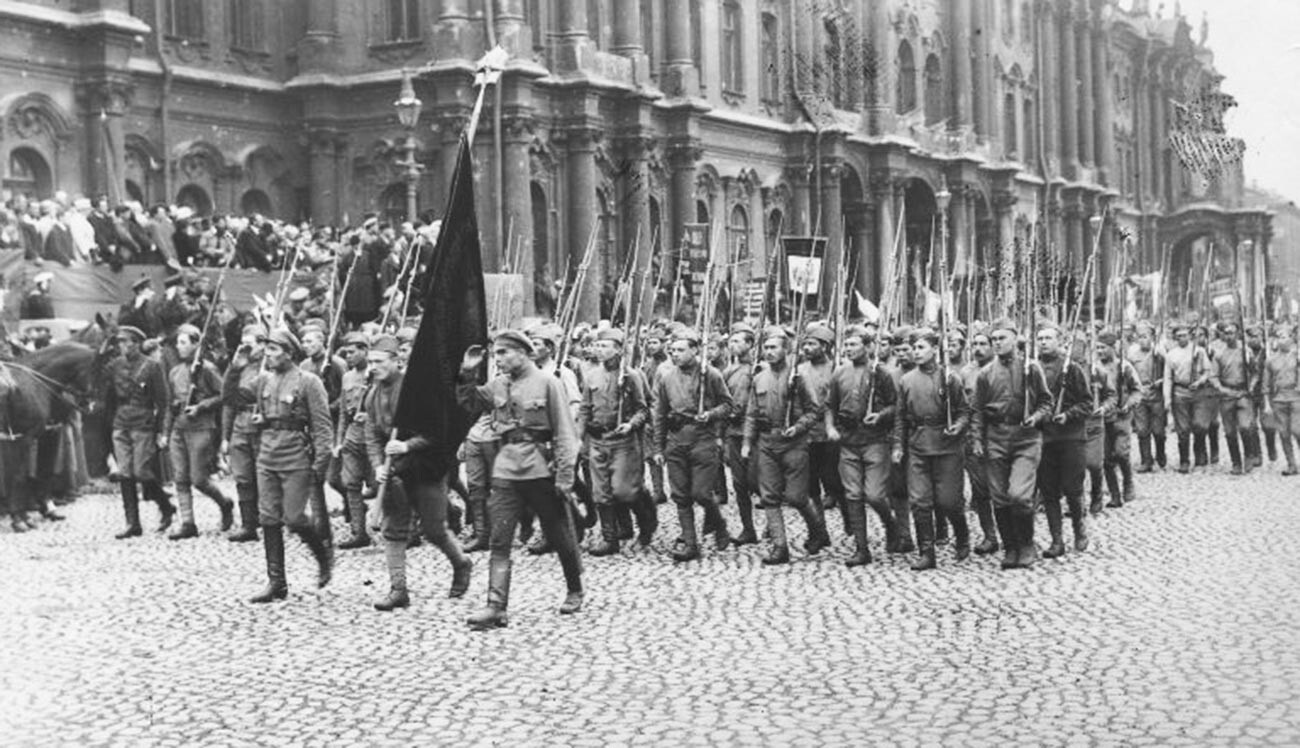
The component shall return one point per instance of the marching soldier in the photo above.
(899, 365)
(350, 437)
(534, 468)
(137, 398)
(614, 410)
(1122, 380)
(293, 423)
(931, 420)
(1149, 414)
(1064, 462)
(981, 352)
(546, 338)
(780, 413)
(1255, 340)
(859, 416)
(738, 376)
(1011, 401)
(415, 479)
(1233, 375)
(1282, 395)
(1207, 397)
(190, 429)
(690, 404)
(825, 488)
(478, 452)
(239, 440)
(1102, 390)
(652, 365)
(1187, 369)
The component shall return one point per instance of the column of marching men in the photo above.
(595, 428)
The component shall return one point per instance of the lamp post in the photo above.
(408, 113)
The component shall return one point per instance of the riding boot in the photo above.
(961, 535)
(154, 492)
(185, 503)
(1007, 528)
(323, 554)
(1095, 482)
(623, 521)
(494, 615)
(273, 545)
(1270, 443)
(1113, 470)
(1212, 439)
(779, 551)
(1288, 452)
(479, 521)
(1184, 445)
(455, 518)
(1144, 453)
(941, 536)
(131, 506)
(818, 538)
(647, 517)
(357, 513)
(1126, 471)
(902, 524)
(395, 558)
(1028, 555)
(1054, 526)
(1200, 457)
(891, 527)
(988, 526)
(924, 519)
(721, 535)
(858, 526)
(247, 514)
(688, 548)
(1161, 459)
(745, 508)
(1234, 453)
(1079, 524)
(226, 506)
(608, 544)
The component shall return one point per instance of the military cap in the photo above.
(385, 344)
(130, 331)
(515, 339)
(1004, 323)
(776, 331)
(143, 283)
(356, 338)
(312, 323)
(1144, 326)
(742, 327)
(903, 335)
(547, 332)
(655, 332)
(861, 332)
(189, 331)
(1107, 337)
(406, 335)
(922, 333)
(979, 328)
(299, 294)
(1177, 326)
(611, 333)
(690, 335)
(821, 333)
(285, 339)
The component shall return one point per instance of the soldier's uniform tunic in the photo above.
(239, 390)
(738, 377)
(191, 438)
(137, 397)
(691, 450)
(934, 458)
(1123, 380)
(293, 445)
(616, 463)
(864, 450)
(1187, 369)
(1282, 393)
(1064, 463)
(1234, 376)
(1149, 411)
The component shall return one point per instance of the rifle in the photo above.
(336, 311)
(943, 317)
(633, 316)
(196, 365)
(276, 313)
(769, 286)
(1078, 314)
(800, 317)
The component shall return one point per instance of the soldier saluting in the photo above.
(534, 467)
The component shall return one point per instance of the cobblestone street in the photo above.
(1177, 627)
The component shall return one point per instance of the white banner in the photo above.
(805, 274)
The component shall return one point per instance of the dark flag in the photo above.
(455, 317)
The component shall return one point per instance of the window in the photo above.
(905, 96)
(733, 78)
(771, 54)
(28, 174)
(403, 20)
(246, 23)
(738, 237)
(834, 56)
(184, 19)
(933, 90)
(1009, 125)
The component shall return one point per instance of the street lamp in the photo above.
(408, 113)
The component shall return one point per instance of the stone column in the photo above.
(453, 36)
(881, 48)
(1074, 235)
(103, 103)
(961, 53)
(799, 222)
(1157, 134)
(583, 213)
(1003, 204)
(681, 77)
(982, 72)
(882, 192)
(832, 207)
(1048, 82)
(1105, 155)
(511, 31)
(324, 199)
(683, 153)
(1087, 95)
(517, 134)
(637, 230)
(959, 228)
(1069, 86)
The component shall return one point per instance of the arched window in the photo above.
(255, 201)
(733, 78)
(247, 21)
(834, 56)
(771, 52)
(543, 279)
(403, 20)
(905, 96)
(195, 198)
(183, 19)
(738, 236)
(1009, 139)
(28, 174)
(933, 90)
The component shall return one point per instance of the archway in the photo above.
(543, 274)
(921, 232)
(28, 174)
(196, 198)
(255, 201)
(1201, 270)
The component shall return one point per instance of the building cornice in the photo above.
(109, 19)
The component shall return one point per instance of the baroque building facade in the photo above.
(695, 126)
